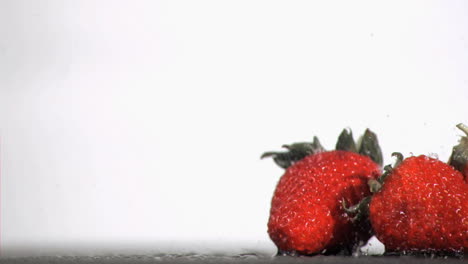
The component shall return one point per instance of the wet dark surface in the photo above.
(242, 258)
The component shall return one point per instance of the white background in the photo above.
(144, 121)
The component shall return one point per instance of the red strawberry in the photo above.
(307, 215)
(422, 206)
(459, 157)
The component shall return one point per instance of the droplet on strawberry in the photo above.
(459, 157)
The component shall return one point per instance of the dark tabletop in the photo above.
(243, 258)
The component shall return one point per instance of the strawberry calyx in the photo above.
(368, 146)
(346, 141)
(375, 185)
(359, 210)
(296, 152)
(459, 157)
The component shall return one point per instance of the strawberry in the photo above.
(422, 206)
(459, 157)
(307, 215)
